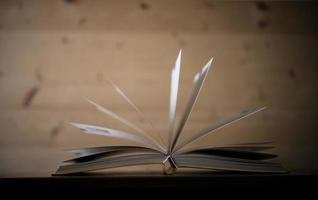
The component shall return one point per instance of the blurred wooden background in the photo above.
(52, 53)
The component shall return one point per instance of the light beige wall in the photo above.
(54, 52)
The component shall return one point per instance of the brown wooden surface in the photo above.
(54, 52)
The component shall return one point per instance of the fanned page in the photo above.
(215, 126)
(90, 129)
(147, 138)
(81, 152)
(198, 82)
(174, 86)
(121, 93)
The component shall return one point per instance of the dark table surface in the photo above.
(132, 182)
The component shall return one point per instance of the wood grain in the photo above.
(52, 53)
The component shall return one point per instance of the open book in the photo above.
(248, 157)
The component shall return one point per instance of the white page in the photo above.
(128, 100)
(126, 122)
(90, 129)
(198, 82)
(104, 149)
(175, 73)
(114, 115)
(215, 126)
(133, 105)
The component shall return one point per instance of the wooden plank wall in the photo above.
(52, 53)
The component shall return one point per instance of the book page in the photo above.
(126, 122)
(133, 105)
(175, 73)
(104, 149)
(90, 129)
(198, 82)
(215, 126)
